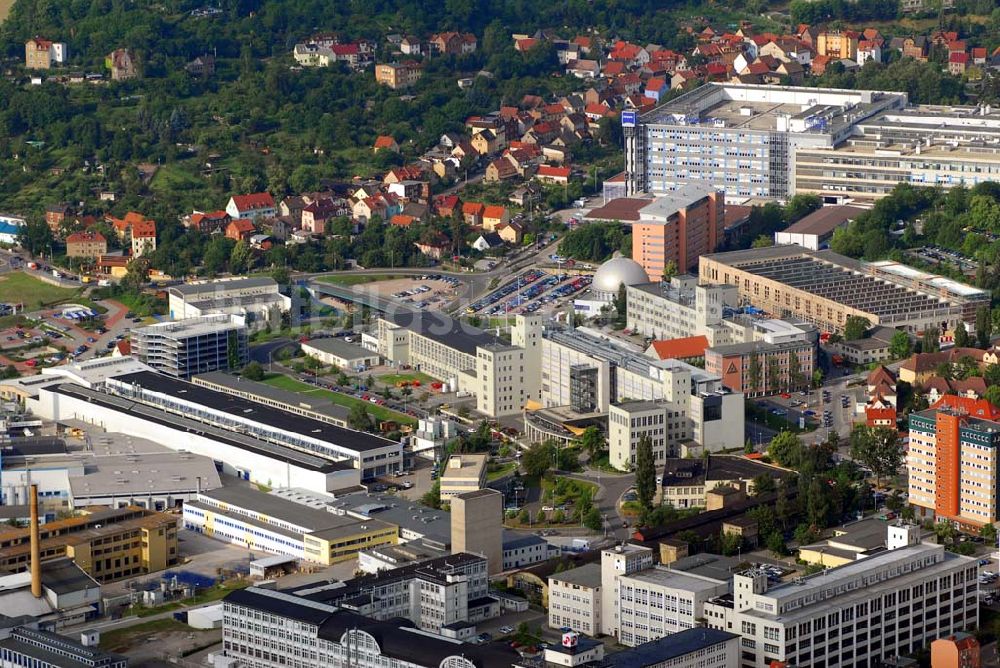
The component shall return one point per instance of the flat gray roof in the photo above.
(291, 399)
(210, 288)
(588, 575)
(241, 496)
(135, 475)
(824, 220)
(340, 348)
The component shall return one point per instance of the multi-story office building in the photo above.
(661, 601)
(431, 594)
(763, 368)
(502, 377)
(258, 521)
(194, 345)
(742, 139)
(678, 228)
(107, 544)
(952, 461)
(681, 308)
(269, 629)
(258, 300)
(824, 288)
(773, 142)
(575, 599)
(701, 407)
(463, 473)
(938, 146)
(616, 562)
(886, 605)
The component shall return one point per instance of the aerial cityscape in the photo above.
(606, 334)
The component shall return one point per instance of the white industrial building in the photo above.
(258, 300)
(691, 409)
(337, 352)
(290, 630)
(255, 441)
(575, 599)
(886, 605)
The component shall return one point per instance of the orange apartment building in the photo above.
(838, 44)
(952, 460)
(679, 228)
(86, 244)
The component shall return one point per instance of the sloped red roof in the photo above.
(972, 407)
(241, 225)
(86, 236)
(254, 201)
(402, 220)
(684, 348)
(384, 141)
(494, 211)
(554, 172)
(473, 208)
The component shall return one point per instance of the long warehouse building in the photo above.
(259, 442)
(825, 288)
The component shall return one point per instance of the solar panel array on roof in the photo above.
(865, 293)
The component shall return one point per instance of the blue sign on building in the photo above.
(629, 119)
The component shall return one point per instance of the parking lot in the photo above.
(529, 292)
(432, 291)
(833, 408)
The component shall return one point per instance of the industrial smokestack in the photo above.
(36, 548)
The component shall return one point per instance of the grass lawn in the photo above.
(378, 412)
(207, 596)
(504, 470)
(5, 6)
(20, 287)
(356, 279)
(393, 378)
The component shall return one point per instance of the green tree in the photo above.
(432, 498)
(879, 449)
(358, 417)
(559, 517)
(900, 346)
(593, 520)
(592, 441)
(776, 544)
(855, 327)
(786, 449)
(669, 270)
(931, 340)
(253, 371)
(961, 336)
(730, 542)
(774, 380)
(754, 372)
(992, 395)
(34, 236)
(524, 517)
(540, 517)
(537, 459)
(763, 241)
(241, 259)
(645, 472)
(763, 484)
(991, 374)
(796, 378)
(984, 327)
(988, 532)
